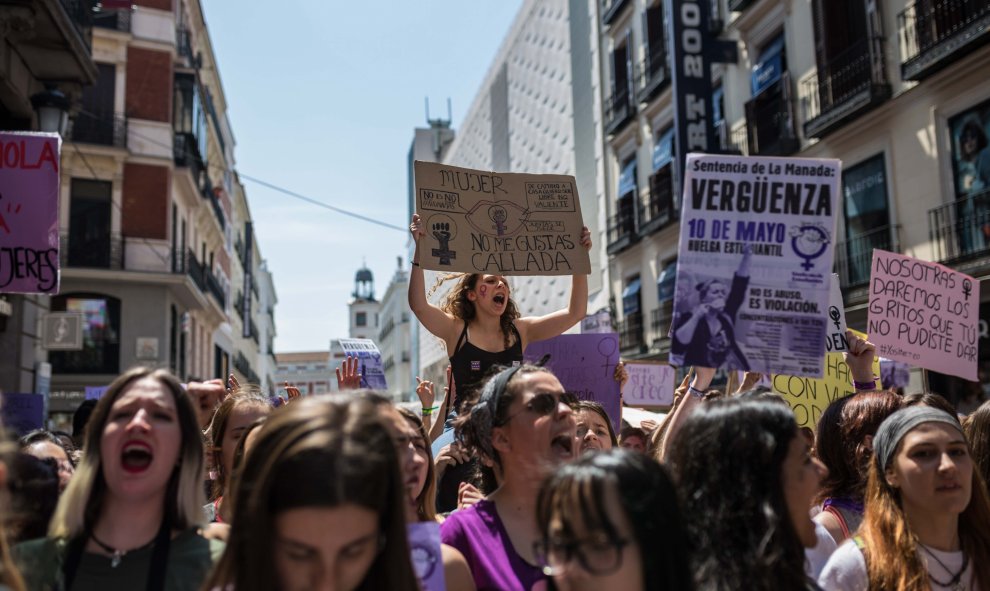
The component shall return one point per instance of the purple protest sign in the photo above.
(424, 545)
(585, 365)
(23, 413)
(29, 164)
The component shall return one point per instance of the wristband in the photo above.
(871, 385)
(695, 392)
(429, 410)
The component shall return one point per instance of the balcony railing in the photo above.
(621, 228)
(195, 271)
(960, 231)
(659, 211)
(619, 110)
(239, 305)
(117, 20)
(186, 154)
(652, 74)
(183, 46)
(255, 335)
(215, 289)
(80, 14)
(854, 257)
(660, 320)
(104, 130)
(935, 33)
(731, 141)
(851, 84)
(631, 332)
(770, 127)
(102, 252)
(611, 9)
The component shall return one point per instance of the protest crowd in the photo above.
(499, 479)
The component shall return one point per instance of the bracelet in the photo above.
(695, 392)
(871, 385)
(429, 411)
(414, 263)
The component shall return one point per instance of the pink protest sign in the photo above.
(924, 314)
(29, 164)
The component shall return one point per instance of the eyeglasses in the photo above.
(599, 556)
(545, 404)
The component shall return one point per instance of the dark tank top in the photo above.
(470, 364)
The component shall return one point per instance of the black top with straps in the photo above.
(470, 364)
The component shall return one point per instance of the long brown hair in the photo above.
(977, 429)
(319, 451)
(426, 500)
(458, 304)
(246, 395)
(890, 547)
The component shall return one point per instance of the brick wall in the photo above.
(145, 211)
(149, 84)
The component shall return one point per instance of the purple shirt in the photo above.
(480, 536)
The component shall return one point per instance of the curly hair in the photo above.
(741, 532)
(458, 304)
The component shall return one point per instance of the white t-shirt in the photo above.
(846, 569)
(815, 558)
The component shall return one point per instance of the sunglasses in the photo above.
(545, 404)
(599, 556)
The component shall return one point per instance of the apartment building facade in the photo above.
(150, 209)
(394, 336)
(896, 90)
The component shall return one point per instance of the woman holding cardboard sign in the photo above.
(480, 324)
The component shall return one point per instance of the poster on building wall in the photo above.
(29, 181)
(585, 366)
(924, 314)
(754, 264)
(369, 362)
(502, 223)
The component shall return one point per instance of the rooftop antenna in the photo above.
(437, 126)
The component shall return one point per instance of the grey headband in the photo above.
(897, 425)
(483, 413)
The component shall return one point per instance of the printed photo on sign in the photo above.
(924, 314)
(754, 264)
(502, 223)
(29, 186)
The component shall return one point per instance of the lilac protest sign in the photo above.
(95, 392)
(585, 365)
(650, 384)
(924, 314)
(23, 413)
(427, 560)
(29, 164)
(369, 360)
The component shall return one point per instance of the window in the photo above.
(864, 191)
(971, 175)
(89, 225)
(361, 319)
(101, 335)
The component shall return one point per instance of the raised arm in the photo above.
(544, 327)
(438, 322)
(696, 392)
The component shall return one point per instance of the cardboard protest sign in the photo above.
(808, 397)
(427, 561)
(650, 384)
(29, 164)
(755, 263)
(505, 224)
(369, 362)
(924, 314)
(835, 338)
(585, 365)
(23, 413)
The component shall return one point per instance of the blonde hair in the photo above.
(79, 507)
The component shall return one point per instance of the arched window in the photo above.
(101, 335)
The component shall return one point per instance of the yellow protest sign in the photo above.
(808, 397)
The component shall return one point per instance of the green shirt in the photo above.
(190, 558)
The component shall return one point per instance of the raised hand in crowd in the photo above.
(467, 495)
(291, 391)
(440, 414)
(232, 384)
(860, 358)
(621, 375)
(749, 381)
(348, 376)
(206, 397)
(695, 394)
(427, 395)
(450, 455)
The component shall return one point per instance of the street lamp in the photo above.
(52, 108)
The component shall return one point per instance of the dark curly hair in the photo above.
(741, 532)
(458, 304)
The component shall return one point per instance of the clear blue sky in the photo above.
(323, 98)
